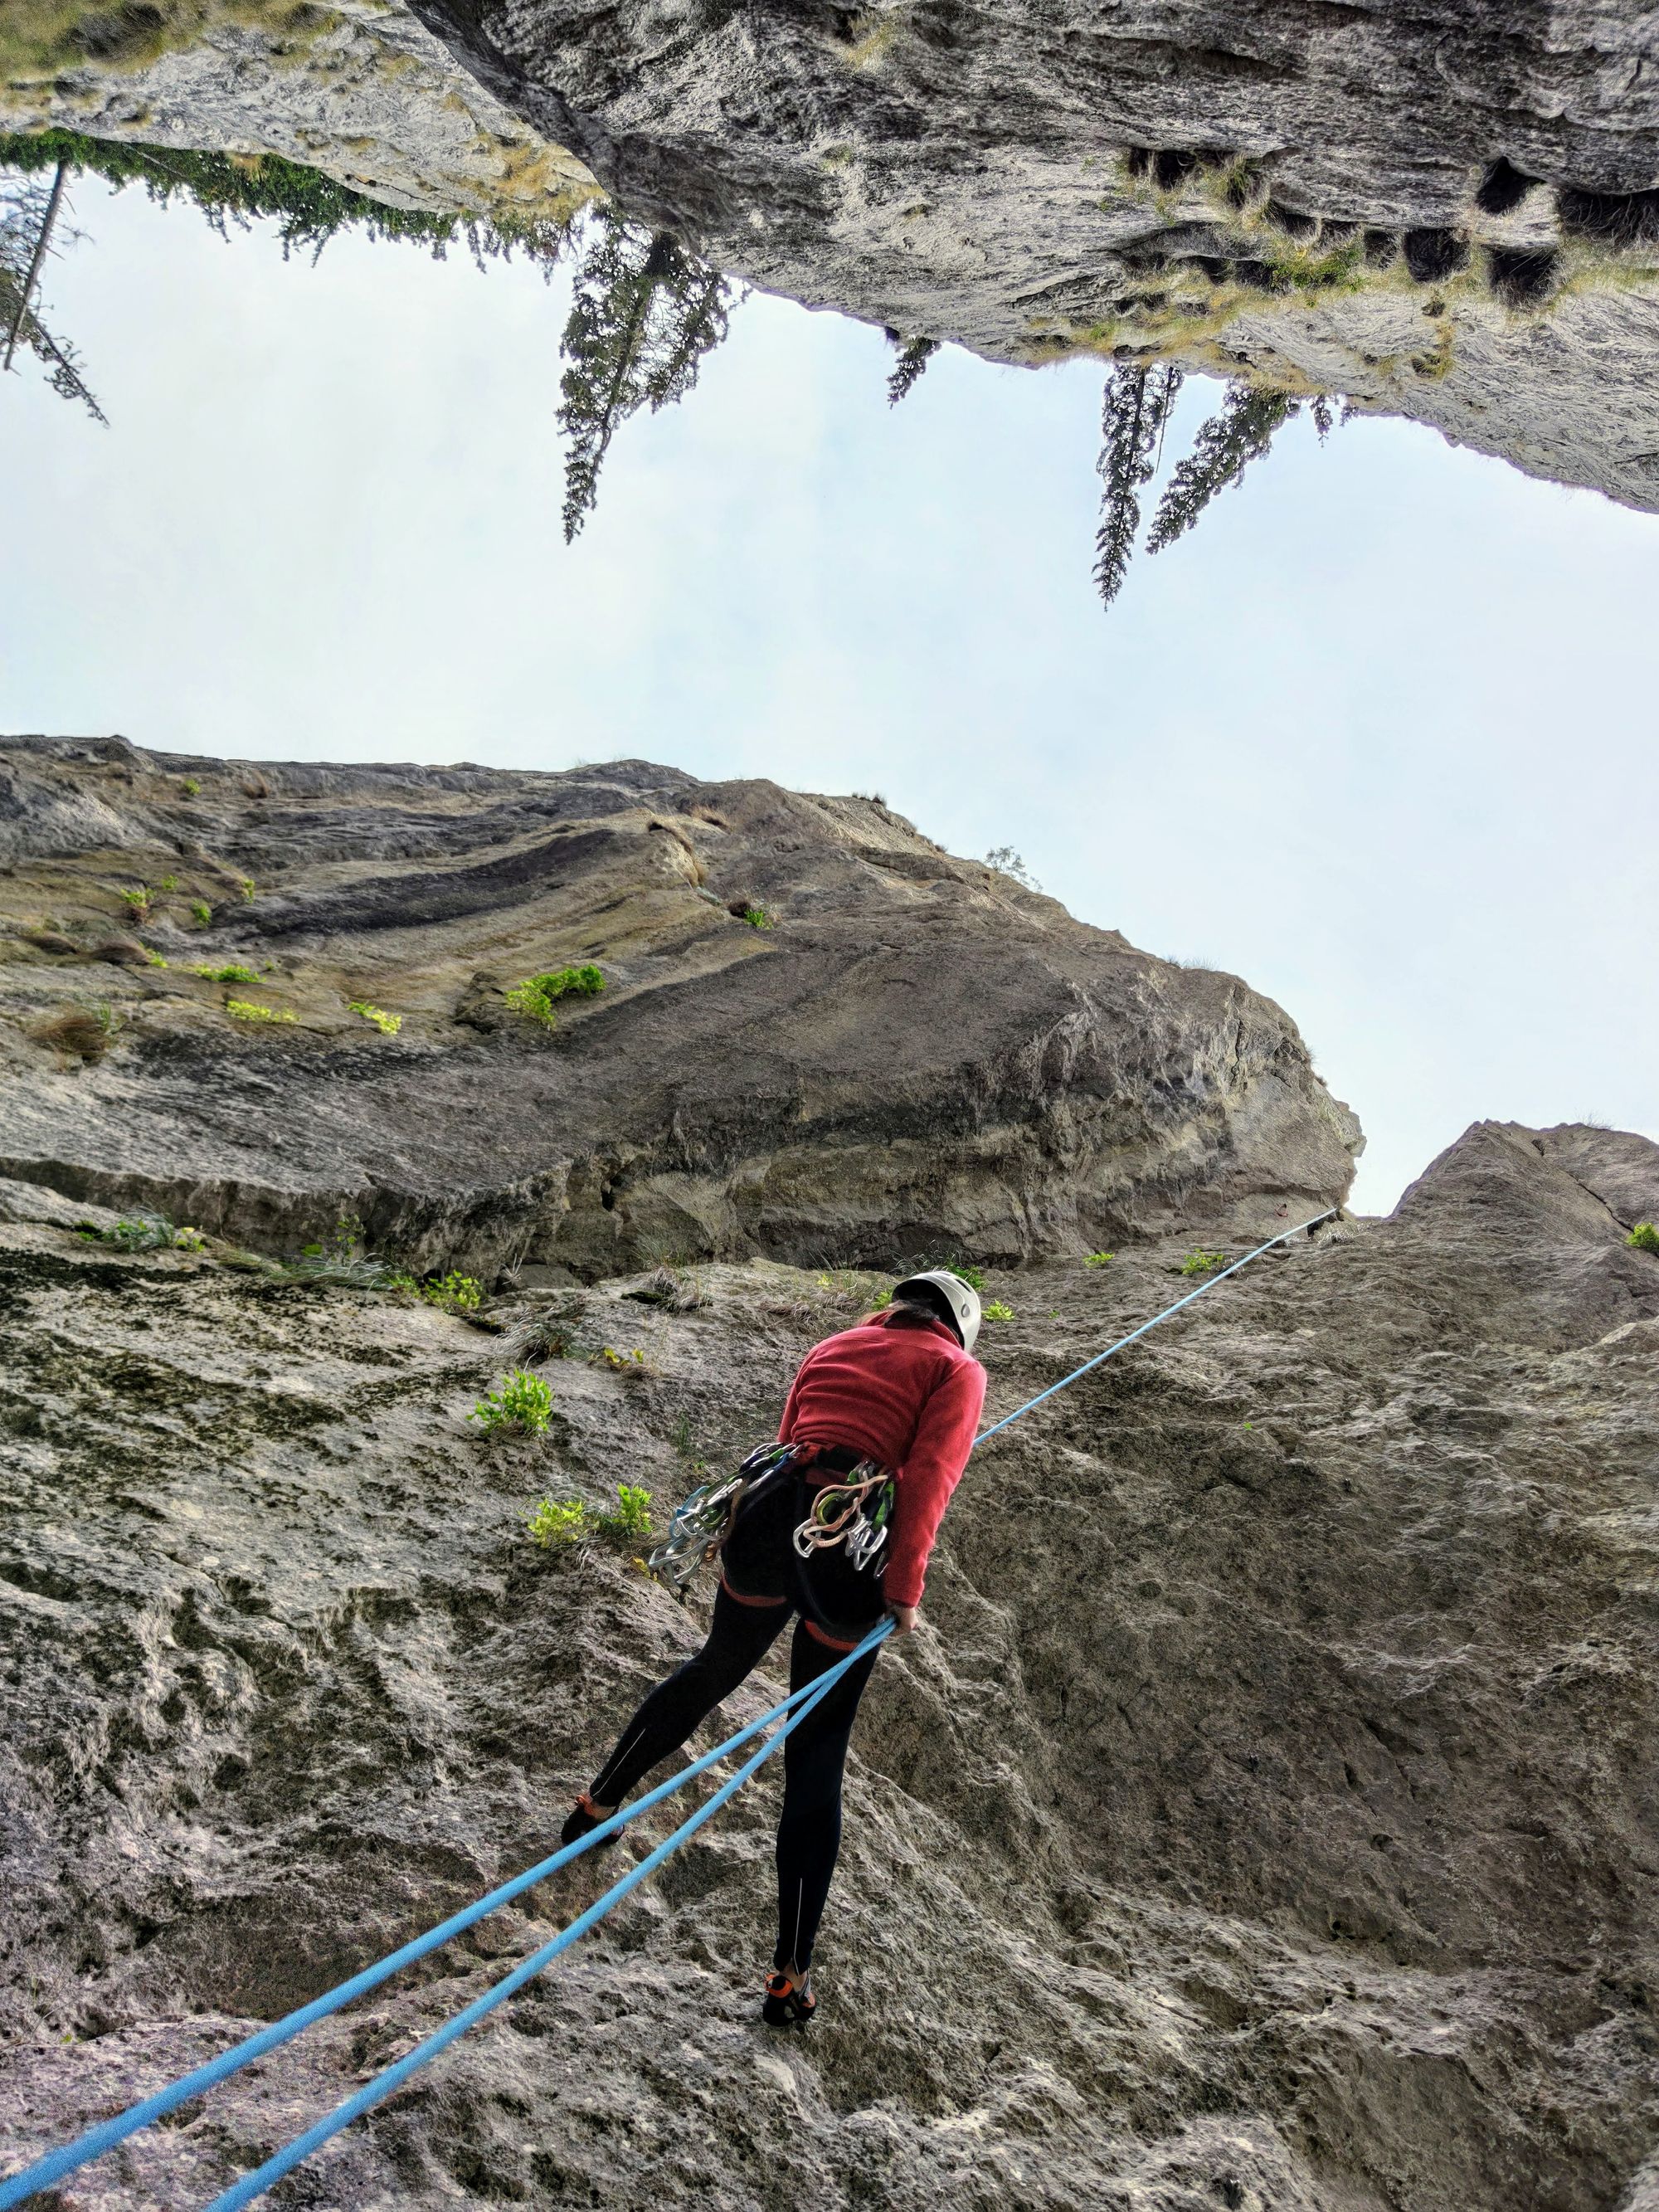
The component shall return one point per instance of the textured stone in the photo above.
(1261, 1818)
(918, 1054)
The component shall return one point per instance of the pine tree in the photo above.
(1238, 434)
(914, 353)
(646, 313)
(1136, 407)
(29, 213)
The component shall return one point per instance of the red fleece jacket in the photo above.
(907, 1396)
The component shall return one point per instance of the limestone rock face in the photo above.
(899, 1054)
(1262, 1817)
(1446, 212)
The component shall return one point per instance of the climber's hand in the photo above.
(904, 1618)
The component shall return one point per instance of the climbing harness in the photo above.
(789, 1712)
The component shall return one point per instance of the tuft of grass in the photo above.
(154, 957)
(1645, 1237)
(974, 1277)
(244, 1010)
(232, 971)
(167, 884)
(631, 1521)
(145, 1232)
(454, 1293)
(84, 1033)
(523, 1406)
(996, 1310)
(201, 912)
(1202, 1263)
(1099, 1259)
(139, 901)
(870, 37)
(387, 1025)
(244, 884)
(190, 786)
(758, 918)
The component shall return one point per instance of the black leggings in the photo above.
(763, 1582)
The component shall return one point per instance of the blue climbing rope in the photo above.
(790, 1711)
(383, 2086)
(105, 2135)
(1169, 1312)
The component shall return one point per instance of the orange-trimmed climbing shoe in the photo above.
(786, 2005)
(585, 1817)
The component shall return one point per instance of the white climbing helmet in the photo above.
(961, 1300)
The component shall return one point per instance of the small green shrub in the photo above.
(461, 1294)
(233, 971)
(1645, 1237)
(758, 918)
(1099, 1259)
(631, 1521)
(523, 1406)
(190, 786)
(244, 884)
(154, 957)
(554, 1524)
(139, 901)
(1202, 1263)
(201, 912)
(634, 1364)
(996, 1310)
(167, 884)
(974, 1277)
(387, 1025)
(536, 996)
(244, 1010)
(883, 1298)
(189, 1240)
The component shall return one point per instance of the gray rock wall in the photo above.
(1261, 1818)
(914, 1056)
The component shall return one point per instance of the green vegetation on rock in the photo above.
(523, 1406)
(1645, 1237)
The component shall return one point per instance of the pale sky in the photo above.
(1378, 737)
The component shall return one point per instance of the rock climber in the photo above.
(836, 1527)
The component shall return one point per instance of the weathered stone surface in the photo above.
(916, 1054)
(1449, 212)
(1262, 1818)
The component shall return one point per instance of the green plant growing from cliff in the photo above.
(191, 786)
(245, 1010)
(387, 1025)
(84, 1033)
(633, 1365)
(1645, 1237)
(1099, 1259)
(999, 1309)
(554, 1523)
(1202, 1263)
(229, 971)
(644, 314)
(137, 902)
(535, 997)
(758, 918)
(145, 1232)
(454, 1293)
(201, 913)
(155, 958)
(522, 1406)
(244, 884)
(631, 1523)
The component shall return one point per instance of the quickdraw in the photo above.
(703, 1522)
(841, 1513)
(854, 1512)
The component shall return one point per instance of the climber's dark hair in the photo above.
(914, 1307)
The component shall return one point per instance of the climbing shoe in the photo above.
(786, 2006)
(585, 1817)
